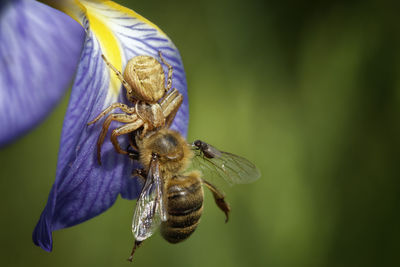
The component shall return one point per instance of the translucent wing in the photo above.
(233, 168)
(150, 210)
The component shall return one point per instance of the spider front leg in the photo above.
(106, 125)
(170, 69)
(125, 129)
(119, 75)
(145, 130)
(170, 105)
(121, 106)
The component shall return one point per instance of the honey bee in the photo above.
(172, 196)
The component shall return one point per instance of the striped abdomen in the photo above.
(185, 205)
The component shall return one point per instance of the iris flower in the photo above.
(41, 49)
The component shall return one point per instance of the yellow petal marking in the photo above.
(109, 46)
(108, 43)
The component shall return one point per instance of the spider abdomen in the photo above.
(146, 75)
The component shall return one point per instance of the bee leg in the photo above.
(135, 246)
(133, 151)
(219, 199)
(141, 174)
(133, 154)
(132, 141)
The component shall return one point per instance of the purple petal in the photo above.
(39, 52)
(83, 189)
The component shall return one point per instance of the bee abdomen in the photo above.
(185, 206)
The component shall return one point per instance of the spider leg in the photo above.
(106, 125)
(121, 106)
(170, 69)
(219, 199)
(118, 73)
(130, 127)
(145, 129)
(170, 105)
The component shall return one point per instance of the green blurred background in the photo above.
(309, 91)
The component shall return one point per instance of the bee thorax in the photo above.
(171, 149)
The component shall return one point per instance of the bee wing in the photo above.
(150, 208)
(233, 168)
